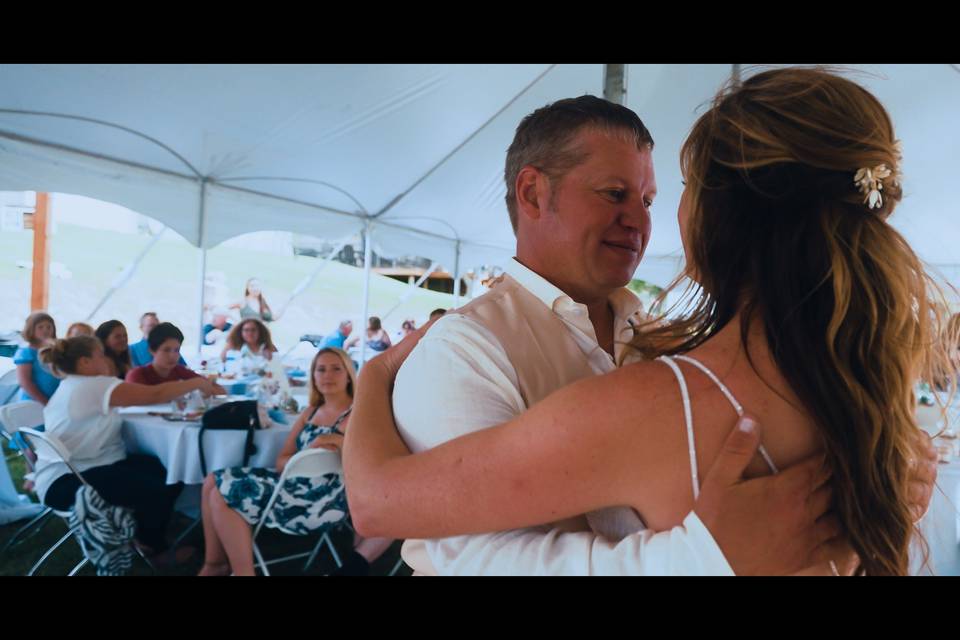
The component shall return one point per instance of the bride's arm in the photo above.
(568, 455)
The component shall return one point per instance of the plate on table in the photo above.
(193, 416)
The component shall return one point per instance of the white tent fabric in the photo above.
(317, 148)
(921, 99)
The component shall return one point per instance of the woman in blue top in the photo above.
(36, 380)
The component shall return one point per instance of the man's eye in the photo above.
(648, 203)
(617, 195)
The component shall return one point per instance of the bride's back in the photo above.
(811, 308)
(789, 432)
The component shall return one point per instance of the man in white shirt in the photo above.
(580, 183)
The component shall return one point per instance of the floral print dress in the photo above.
(304, 505)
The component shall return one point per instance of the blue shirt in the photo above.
(140, 354)
(335, 339)
(41, 375)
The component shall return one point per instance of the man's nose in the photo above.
(636, 216)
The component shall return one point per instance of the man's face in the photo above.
(346, 329)
(147, 325)
(597, 224)
(168, 354)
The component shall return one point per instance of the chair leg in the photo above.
(144, 557)
(79, 566)
(313, 554)
(50, 551)
(259, 556)
(37, 520)
(396, 567)
(333, 551)
(186, 532)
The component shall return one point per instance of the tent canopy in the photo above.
(216, 151)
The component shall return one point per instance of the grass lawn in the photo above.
(89, 260)
(18, 560)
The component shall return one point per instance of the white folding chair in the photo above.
(8, 386)
(50, 446)
(14, 417)
(310, 463)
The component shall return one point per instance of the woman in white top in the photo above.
(810, 311)
(253, 304)
(250, 338)
(83, 415)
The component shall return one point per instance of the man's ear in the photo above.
(531, 187)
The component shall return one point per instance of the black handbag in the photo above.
(232, 415)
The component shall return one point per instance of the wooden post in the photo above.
(40, 287)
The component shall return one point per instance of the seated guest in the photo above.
(113, 337)
(140, 351)
(83, 415)
(218, 326)
(234, 499)
(338, 337)
(164, 344)
(407, 328)
(36, 380)
(251, 338)
(437, 313)
(79, 329)
(378, 340)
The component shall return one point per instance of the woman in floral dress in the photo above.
(234, 499)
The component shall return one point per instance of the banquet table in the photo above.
(176, 444)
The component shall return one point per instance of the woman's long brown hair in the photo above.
(778, 231)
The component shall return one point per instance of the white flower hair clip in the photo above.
(870, 181)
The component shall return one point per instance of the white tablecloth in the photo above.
(176, 445)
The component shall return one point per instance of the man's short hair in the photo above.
(344, 323)
(544, 139)
(163, 332)
(148, 314)
(436, 313)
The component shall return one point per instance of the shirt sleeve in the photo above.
(92, 397)
(463, 364)
(25, 355)
(457, 380)
(685, 550)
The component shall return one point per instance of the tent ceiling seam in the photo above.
(213, 182)
(404, 194)
(105, 123)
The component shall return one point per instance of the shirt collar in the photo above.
(625, 303)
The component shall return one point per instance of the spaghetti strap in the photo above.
(688, 418)
(733, 401)
(336, 425)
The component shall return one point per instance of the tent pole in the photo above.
(615, 83)
(40, 275)
(202, 232)
(306, 282)
(367, 263)
(412, 289)
(126, 274)
(456, 278)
